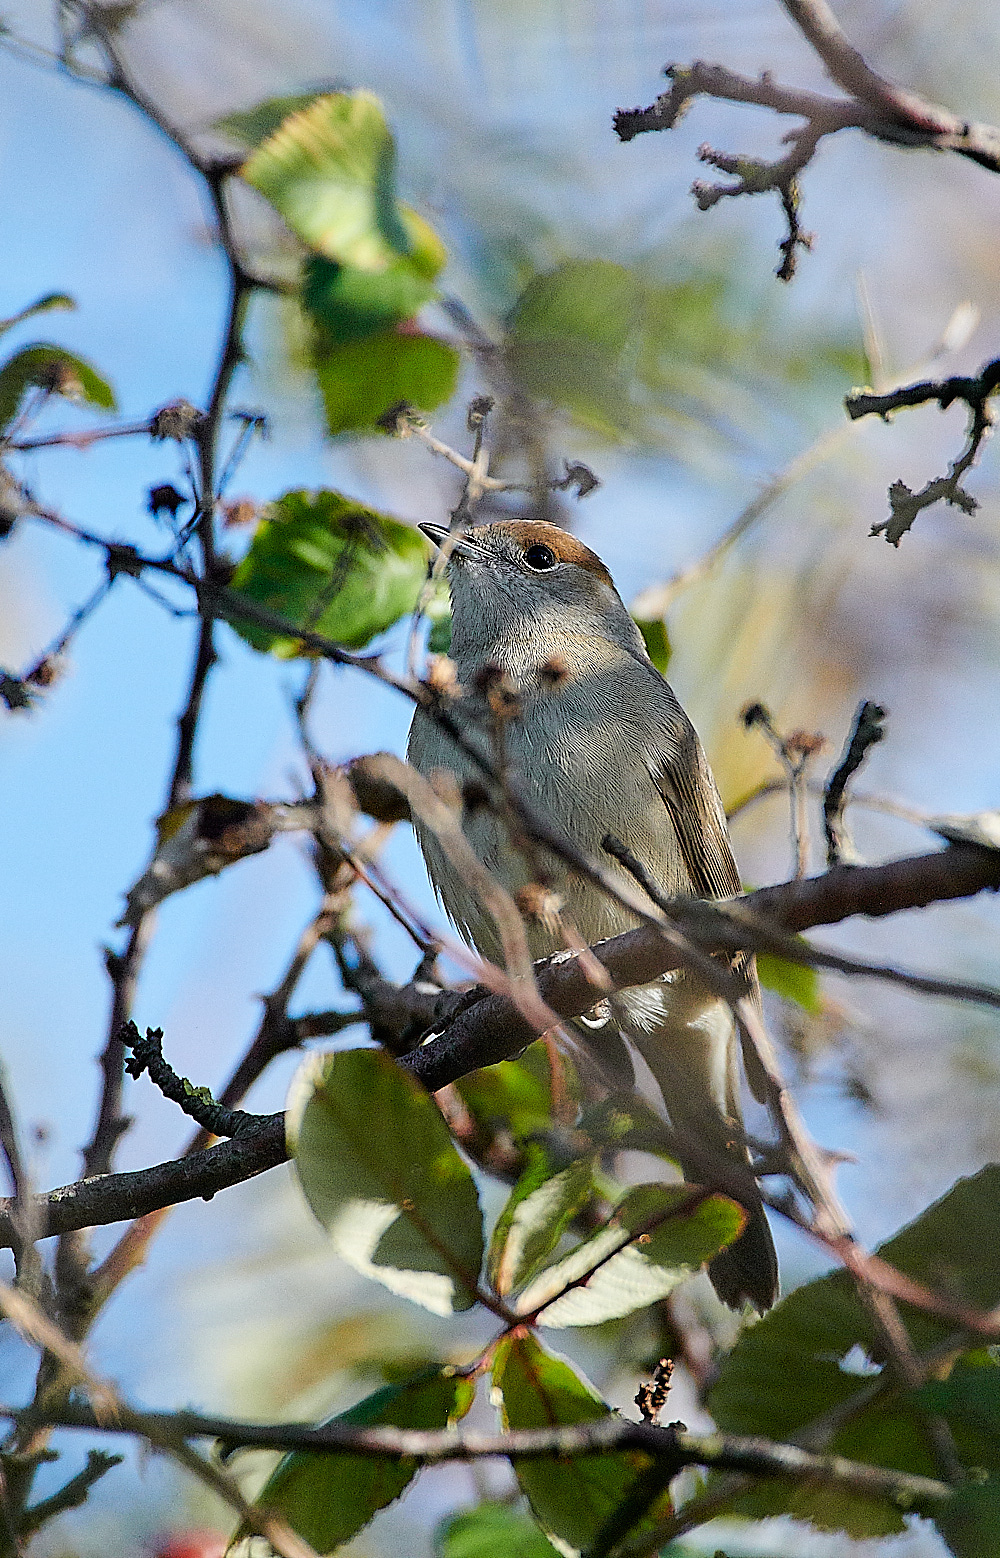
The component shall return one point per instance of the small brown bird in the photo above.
(603, 747)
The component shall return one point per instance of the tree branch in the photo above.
(492, 1029)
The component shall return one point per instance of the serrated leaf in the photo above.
(492, 1530)
(329, 171)
(330, 565)
(657, 1237)
(382, 1174)
(44, 365)
(572, 1499)
(251, 126)
(541, 1206)
(327, 1498)
(796, 982)
(359, 381)
(42, 305)
(807, 1337)
(656, 640)
(970, 1521)
(348, 304)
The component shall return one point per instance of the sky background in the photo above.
(502, 114)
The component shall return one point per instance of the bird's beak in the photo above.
(452, 540)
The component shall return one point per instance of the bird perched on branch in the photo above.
(562, 692)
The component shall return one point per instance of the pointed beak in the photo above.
(441, 537)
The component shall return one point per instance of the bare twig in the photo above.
(794, 753)
(873, 105)
(976, 392)
(869, 729)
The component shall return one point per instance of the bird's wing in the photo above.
(685, 782)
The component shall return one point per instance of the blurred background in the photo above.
(502, 114)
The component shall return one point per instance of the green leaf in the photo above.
(492, 1530)
(573, 339)
(327, 1498)
(970, 1521)
(541, 1206)
(514, 1096)
(332, 566)
(970, 1394)
(572, 1499)
(329, 171)
(360, 380)
(43, 365)
(348, 304)
(796, 982)
(43, 305)
(657, 1237)
(656, 640)
(809, 1342)
(383, 1176)
(250, 126)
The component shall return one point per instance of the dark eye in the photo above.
(540, 557)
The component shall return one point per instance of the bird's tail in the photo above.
(692, 1052)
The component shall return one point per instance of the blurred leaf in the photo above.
(970, 1394)
(795, 981)
(327, 1498)
(806, 1338)
(572, 1499)
(439, 637)
(514, 1096)
(360, 380)
(42, 305)
(970, 1521)
(656, 640)
(45, 366)
(684, 361)
(332, 566)
(653, 1241)
(251, 126)
(541, 1206)
(492, 1530)
(382, 1174)
(573, 339)
(329, 171)
(349, 304)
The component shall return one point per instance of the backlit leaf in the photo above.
(327, 1498)
(795, 981)
(361, 380)
(330, 565)
(348, 304)
(383, 1176)
(658, 1236)
(540, 1208)
(572, 1499)
(812, 1337)
(42, 305)
(656, 640)
(491, 1530)
(329, 171)
(45, 366)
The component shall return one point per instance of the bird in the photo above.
(600, 746)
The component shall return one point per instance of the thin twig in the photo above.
(868, 731)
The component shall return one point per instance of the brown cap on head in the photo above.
(532, 532)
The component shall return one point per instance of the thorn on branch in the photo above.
(869, 730)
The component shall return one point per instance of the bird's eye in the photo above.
(540, 557)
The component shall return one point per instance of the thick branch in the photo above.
(492, 1029)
